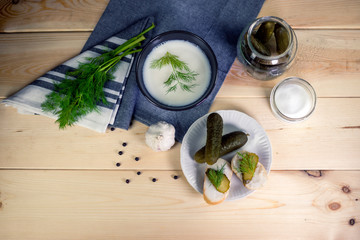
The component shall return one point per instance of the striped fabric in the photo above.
(29, 99)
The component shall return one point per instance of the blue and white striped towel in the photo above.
(29, 99)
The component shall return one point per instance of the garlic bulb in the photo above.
(160, 136)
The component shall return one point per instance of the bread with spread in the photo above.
(249, 170)
(217, 182)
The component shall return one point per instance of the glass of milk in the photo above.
(293, 99)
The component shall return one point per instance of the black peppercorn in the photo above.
(137, 158)
(118, 164)
(154, 179)
(138, 173)
(120, 152)
(127, 181)
(352, 221)
(124, 144)
(112, 129)
(176, 177)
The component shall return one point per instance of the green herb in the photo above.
(215, 176)
(181, 73)
(74, 98)
(247, 164)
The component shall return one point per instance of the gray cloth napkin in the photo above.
(219, 23)
(29, 99)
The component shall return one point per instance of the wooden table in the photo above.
(67, 185)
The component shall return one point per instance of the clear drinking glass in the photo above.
(293, 100)
(267, 47)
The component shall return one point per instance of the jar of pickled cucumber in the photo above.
(267, 47)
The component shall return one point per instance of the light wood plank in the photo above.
(100, 205)
(89, 198)
(25, 57)
(64, 15)
(79, 15)
(315, 14)
(328, 62)
(35, 141)
(314, 143)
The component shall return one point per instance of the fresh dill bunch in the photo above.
(247, 164)
(181, 75)
(216, 176)
(81, 90)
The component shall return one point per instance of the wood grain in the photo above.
(72, 184)
(43, 15)
(25, 57)
(328, 62)
(101, 205)
(26, 143)
(341, 14)
(77, 15)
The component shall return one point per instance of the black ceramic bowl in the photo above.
(176, 35)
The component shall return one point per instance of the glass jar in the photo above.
(267, 47)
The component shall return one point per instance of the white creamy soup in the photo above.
(154, 78)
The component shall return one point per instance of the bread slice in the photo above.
(210, 193)
(259, 178)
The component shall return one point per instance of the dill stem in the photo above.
(106, 64)
(111, 63)
(128, 45)
(120, 49)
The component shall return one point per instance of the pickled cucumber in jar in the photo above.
(267, 47)
(282, 39)
(265, 32)
(261, 48)
(270, 39)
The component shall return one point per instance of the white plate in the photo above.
(195, 138)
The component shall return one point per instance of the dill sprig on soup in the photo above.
(177, 73)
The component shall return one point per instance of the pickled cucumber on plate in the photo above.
(217, 182)
(229, 142)
(214, 130)
(218, 179)
(249, 170)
